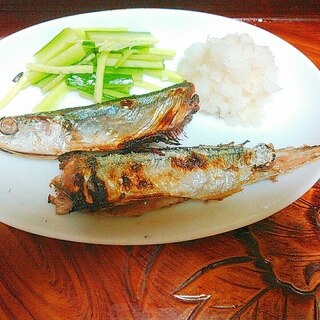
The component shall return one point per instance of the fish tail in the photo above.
(291, 158)
(287, 160)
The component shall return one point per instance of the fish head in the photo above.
(9, 133)
(27, 134)
(188, 96)
(184, 103)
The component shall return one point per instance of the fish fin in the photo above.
(30, 155)
(222, 195)
(233, 144)
(170, 137)
(139, 207)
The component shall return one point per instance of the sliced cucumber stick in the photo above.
(53, 98)
(45, 69)
(101, 64)
(59, 43)
(70, 56)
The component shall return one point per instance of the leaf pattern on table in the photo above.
(269, 270)
(290, 240)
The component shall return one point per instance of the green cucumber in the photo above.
(165, 53)
(17, 87)
(59, 78)
(45, 69)
(135, 73)
(88, 46)
(147, 85)
(117, 45)
(117, 40)
(124, 56)
(45, 81)
(160, 52)
(58, 44)
(110, 80)
(115, 93)
(165, 75)
(137, 64)
(135, 55)
(101, 64)
(120, 36)
(81, 32)
(146, 57)
(54, 79)
(70, 56)
(107, 94)
(53, 98)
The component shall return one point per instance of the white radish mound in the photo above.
(233, 76)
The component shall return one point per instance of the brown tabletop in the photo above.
(269, 270)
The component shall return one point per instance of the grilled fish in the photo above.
(112, 125)
(92, 182)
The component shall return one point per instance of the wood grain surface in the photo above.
(269, 270)
(18, 14)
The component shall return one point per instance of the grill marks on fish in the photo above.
(190, 162)
(132, 178)
(113, 125)
(132, 183)
(90, 195)
(179, 173)
(127, 103)
(87, 190)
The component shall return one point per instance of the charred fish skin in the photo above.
(112, 125)
(91, 182)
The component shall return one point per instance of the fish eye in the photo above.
(8, 126)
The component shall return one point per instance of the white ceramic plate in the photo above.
(292, 119)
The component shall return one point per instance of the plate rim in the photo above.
(141, 242)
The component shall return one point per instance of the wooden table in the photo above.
(269, 270)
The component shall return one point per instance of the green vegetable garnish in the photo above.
(99, 63)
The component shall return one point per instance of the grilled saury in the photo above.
(154, 179)
(111, 125)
